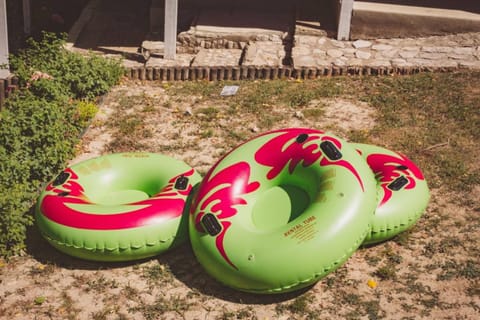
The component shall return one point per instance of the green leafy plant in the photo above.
(82, 77)
(41, 123)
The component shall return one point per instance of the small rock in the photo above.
(401, 63)
(323, 63)
(254, 129)
(298, 115)
(463, 50)
(457, 56)
(382, 47)
(338, 44)
(363, 54)
(437, 49)
(379, 63)
(348, 52)
(408, 54)
(304, 61)
(477, 53)
(472, 65)
(322, 41)
(388, 53)
(319, 52)
(431, 55)
(334, 53)
(305, 40)
(361, 44)
(339, 63)
(355, 62)
(188, 111)
(301, 50)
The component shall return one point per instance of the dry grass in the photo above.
(430, 272)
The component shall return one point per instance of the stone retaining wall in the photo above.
(312, 57)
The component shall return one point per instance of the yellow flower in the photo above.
(372, 283)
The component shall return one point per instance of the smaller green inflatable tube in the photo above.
(117, 207)
(402, 192)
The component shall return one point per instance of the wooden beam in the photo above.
(4, 69)
(345, 9)
(27, 19)
(170, 36)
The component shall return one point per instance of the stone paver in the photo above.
(264, 53)
(182, 60)
(217, 57)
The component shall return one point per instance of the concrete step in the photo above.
(377, 19)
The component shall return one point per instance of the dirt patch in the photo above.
(429, 272)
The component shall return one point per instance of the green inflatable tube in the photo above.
(117, 207)
(282, 210)
(402, 191)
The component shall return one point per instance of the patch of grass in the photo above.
(447, 245)
(157, 274)
(301, 306)
(386, 272)
(373, 310)
(162, 305)
(372, 260)
(101, 284)
(453, 269)
(206, 134)
(202, 90)
(244, 313)
(68, 306)
(42, 270)
(314, 113)
(207, 113)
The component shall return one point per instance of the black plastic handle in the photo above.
(61, 179)
(398, 183)
(330, 150)
(181, 183)
(211, 224)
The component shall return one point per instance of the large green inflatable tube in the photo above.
(281, 211)
(117, 207)
(402, 190)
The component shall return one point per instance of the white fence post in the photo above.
(344, 19)
(170, 36)
(4, 69)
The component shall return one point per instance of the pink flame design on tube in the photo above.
(387, 168)
(224, 190)
(169, 203)
(283, 150)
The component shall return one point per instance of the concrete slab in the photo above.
(385, 20)
(223, 57)
(241, 24)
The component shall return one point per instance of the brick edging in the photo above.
(220, 73)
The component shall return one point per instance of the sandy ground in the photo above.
(427, 273)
